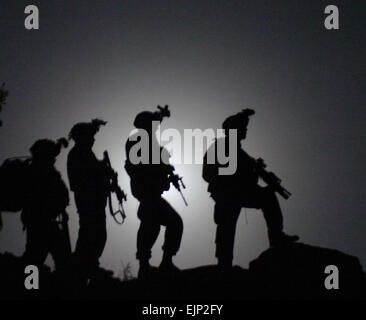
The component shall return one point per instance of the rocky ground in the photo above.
(293, 272)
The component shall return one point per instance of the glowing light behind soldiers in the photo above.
(207, 60)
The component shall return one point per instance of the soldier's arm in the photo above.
(209, 170)
(64, 199)
(247, 167)
(76, 173)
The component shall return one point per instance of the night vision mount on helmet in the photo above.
(238, 120)
(85, 129)
(144, 119)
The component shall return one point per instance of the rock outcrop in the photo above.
(293, 272)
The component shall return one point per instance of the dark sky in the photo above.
(207, 60)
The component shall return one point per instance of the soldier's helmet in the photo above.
(144, 119)
(85, 130)
(47, 149)
(239, 120)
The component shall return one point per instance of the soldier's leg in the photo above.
(59, 247)
(271, 210)
(37, 246)
(101, 238)
(81, 258)
(225, 215)
(264, 198)
(90, 243)
(147, 234)
(174, 230)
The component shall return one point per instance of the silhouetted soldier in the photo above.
(241, 189)
(89, 182)
(148, 182)
(44, 207)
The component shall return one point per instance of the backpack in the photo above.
(13, 176)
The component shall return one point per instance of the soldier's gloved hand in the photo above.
(174, 178)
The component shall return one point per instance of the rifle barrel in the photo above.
(184, 199)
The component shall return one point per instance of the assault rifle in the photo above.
(115, 188)
(177, 182)
(271, 179)
(175, 179)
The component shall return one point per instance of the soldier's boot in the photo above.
(281, 239)
(167, 264)
(225, 269)
(146, 271)
(224, 263)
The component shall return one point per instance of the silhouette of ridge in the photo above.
(299, 270)
(292, 272)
